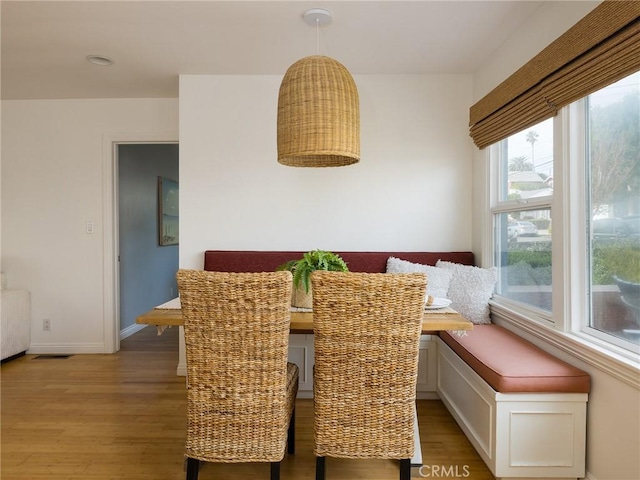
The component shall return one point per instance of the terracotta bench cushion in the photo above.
(509, 363)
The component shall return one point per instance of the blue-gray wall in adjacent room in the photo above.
(147, 270)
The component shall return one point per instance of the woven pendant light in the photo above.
(318, 115)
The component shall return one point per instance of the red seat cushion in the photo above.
(511, 364)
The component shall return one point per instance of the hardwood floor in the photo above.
(122, 416)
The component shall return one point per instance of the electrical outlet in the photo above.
(46, 325)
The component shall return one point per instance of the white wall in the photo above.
(410, 191)
(550, 21)
(53, 174)
(613, 425)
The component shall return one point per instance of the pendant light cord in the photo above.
(317, 36)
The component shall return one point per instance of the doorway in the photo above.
(146, 266)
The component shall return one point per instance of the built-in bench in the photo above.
(523, 409)
(301, 346)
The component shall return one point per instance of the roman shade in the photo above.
(600, 49)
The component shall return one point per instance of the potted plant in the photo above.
(301, 269)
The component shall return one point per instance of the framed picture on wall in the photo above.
(168, 211)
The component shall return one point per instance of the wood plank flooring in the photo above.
(122, 416)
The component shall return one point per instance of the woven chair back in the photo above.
(236, 328)
(367, 331)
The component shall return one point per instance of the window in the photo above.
(613, 210)
(522, 217)
(597, 160)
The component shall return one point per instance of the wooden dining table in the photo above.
(433, 321)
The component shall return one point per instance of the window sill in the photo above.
(616, 362)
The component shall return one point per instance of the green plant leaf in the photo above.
(290, 266)
(310, 262)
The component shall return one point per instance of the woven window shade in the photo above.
(318, 115)
(600, 49)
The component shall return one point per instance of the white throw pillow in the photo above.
(470, 290)
(437, 278)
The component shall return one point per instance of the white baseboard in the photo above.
(65, 349)
(130, 330)
(78, 348)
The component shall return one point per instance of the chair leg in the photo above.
(275, 470)
(405, 469)
(291, 436)
(193, 465)
(320, 461)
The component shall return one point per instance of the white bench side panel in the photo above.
(541, 436)
(301, 353)
(427, 366)
(468, 400)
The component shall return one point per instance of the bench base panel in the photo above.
(518, 435)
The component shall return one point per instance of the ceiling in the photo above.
(44, 44)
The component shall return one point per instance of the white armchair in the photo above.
(16, 322)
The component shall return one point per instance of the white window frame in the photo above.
(497, 206)
(579, 267)
(567, 328)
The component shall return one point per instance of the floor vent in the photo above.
(51, 357)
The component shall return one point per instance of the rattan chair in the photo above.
(367, 333)
(241, 389)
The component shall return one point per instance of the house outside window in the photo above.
(591, 149)
(522, 217)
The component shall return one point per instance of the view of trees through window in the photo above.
(614, 208)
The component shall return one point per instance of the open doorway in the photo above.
(146, 261)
